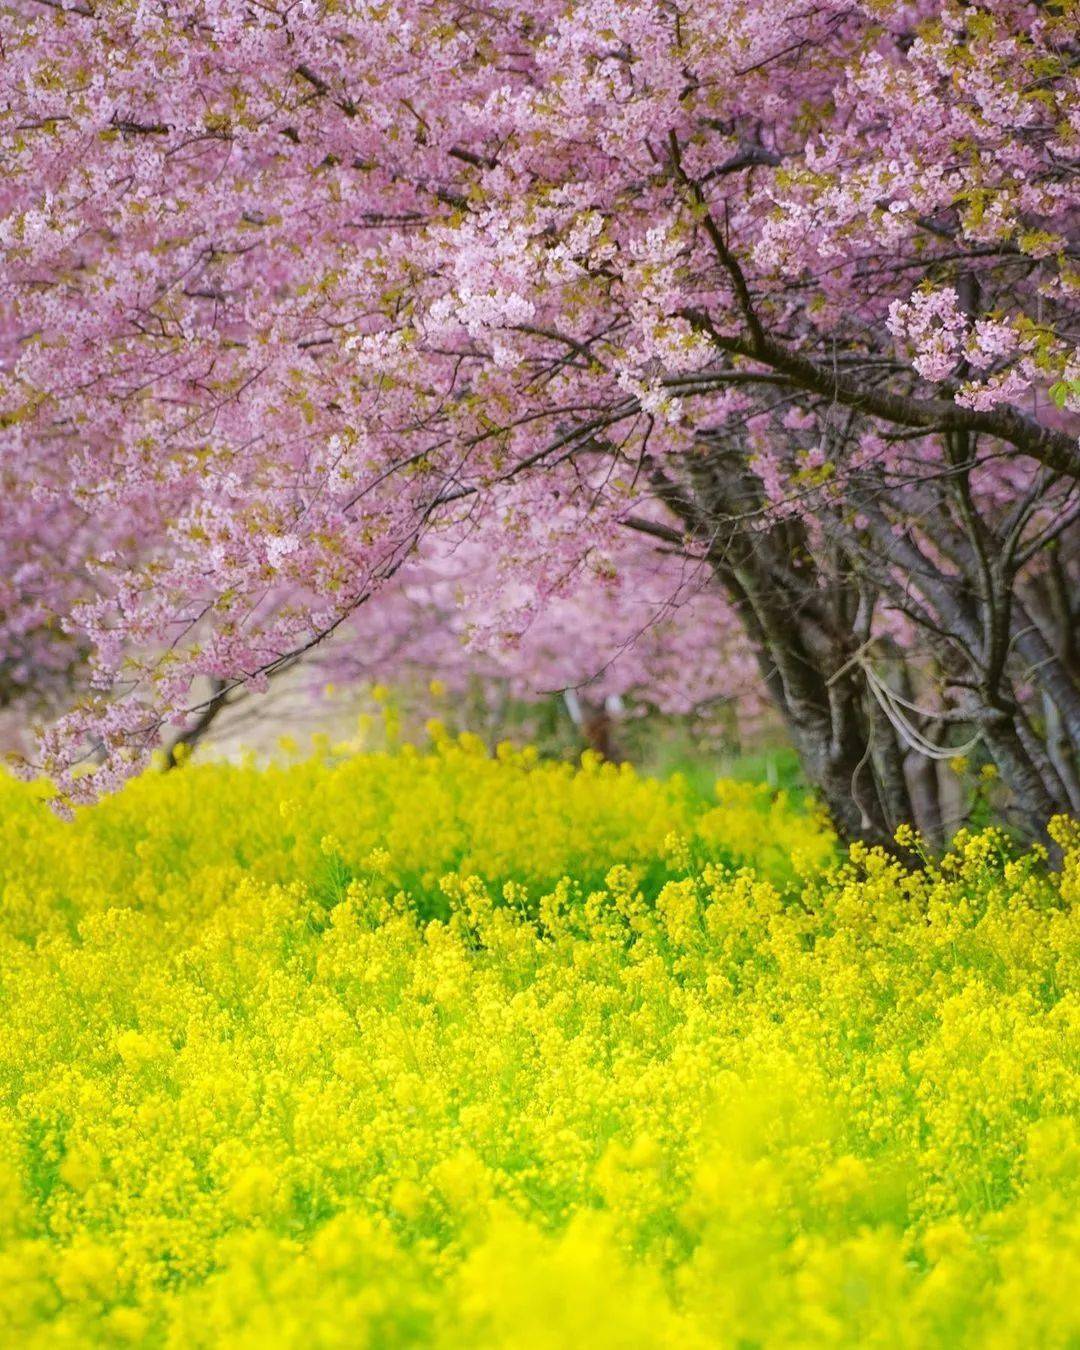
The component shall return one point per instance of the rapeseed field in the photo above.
(451, 1050)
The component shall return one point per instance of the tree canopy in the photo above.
(296, 295)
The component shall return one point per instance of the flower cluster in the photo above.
(253, 1092)
(408, 816)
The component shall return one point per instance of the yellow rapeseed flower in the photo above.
(452, 1049)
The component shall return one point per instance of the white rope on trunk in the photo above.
(893, 704)
(904, 728)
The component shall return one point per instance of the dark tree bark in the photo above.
(1000, 644)
(200, 726)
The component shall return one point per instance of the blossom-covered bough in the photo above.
(291, 291)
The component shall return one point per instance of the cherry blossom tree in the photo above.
(643, 636)
(643, 631)
(785, 290)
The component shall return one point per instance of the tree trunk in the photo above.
(805, 595)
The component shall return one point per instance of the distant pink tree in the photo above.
(788, 290)
(635, 631)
